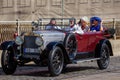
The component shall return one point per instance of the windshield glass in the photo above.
(52, 24)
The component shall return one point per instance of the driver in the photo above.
(52, 25)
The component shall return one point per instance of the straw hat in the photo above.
(84, 18)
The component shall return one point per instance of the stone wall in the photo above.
(32, 9)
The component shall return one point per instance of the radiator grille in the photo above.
(29, 46)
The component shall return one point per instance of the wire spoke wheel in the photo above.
(8, 63)
(56, 61)
(104, 57)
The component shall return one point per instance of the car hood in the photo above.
(49, 33)
(50, 36)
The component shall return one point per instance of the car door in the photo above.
(82, 42)
(94, 38)
(86, 44)
(82, 46)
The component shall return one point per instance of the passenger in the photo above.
(72, 22)
(96, 24)
(84, 24)
(52, 25)
(76, 28)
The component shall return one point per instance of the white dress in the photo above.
(77, 29)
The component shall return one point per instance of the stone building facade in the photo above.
(34, 9)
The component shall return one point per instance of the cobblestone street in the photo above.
(82, 71)
(53, 33)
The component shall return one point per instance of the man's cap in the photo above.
(96, 19)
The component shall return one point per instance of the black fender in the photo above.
(7, 44)
(52, 45)
(99, 45)
(109, 33)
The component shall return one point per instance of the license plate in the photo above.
(31, 50)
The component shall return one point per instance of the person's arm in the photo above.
(101, 27)
(73, 28)
(87, 29)
(48, 27)
(79, 30)
(59, 28)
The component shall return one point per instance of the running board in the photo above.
(85, 60)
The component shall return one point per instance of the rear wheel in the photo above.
(103, 63)
(7, 61)
(56, 61)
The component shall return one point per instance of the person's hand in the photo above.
(94, 31)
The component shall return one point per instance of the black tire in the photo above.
(103, 63)
(8, 63)
(64, 67)
(70, 44)
(55, 61)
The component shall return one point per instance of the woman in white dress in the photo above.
(77, 28)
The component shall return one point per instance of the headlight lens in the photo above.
(39, 41)
(19, 40)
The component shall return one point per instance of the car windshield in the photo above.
(52, 24)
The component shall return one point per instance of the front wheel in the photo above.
(103, 63)
(7, 61)
(55, 61)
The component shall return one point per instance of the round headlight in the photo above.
(39, 41)
(19, 40)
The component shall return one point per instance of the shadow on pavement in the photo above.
(78, 68)
(43, 72)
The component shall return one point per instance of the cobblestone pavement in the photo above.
(82, 71)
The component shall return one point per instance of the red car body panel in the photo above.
(87, 42)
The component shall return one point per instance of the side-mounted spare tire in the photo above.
(70, 44)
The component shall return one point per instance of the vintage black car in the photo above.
(55, 49)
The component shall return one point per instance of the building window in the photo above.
(70, 1)
(24, 3)
(107, 1)
(56, 2)
(7, 4)
(83, 1)
(95, 1)
(40, 3)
